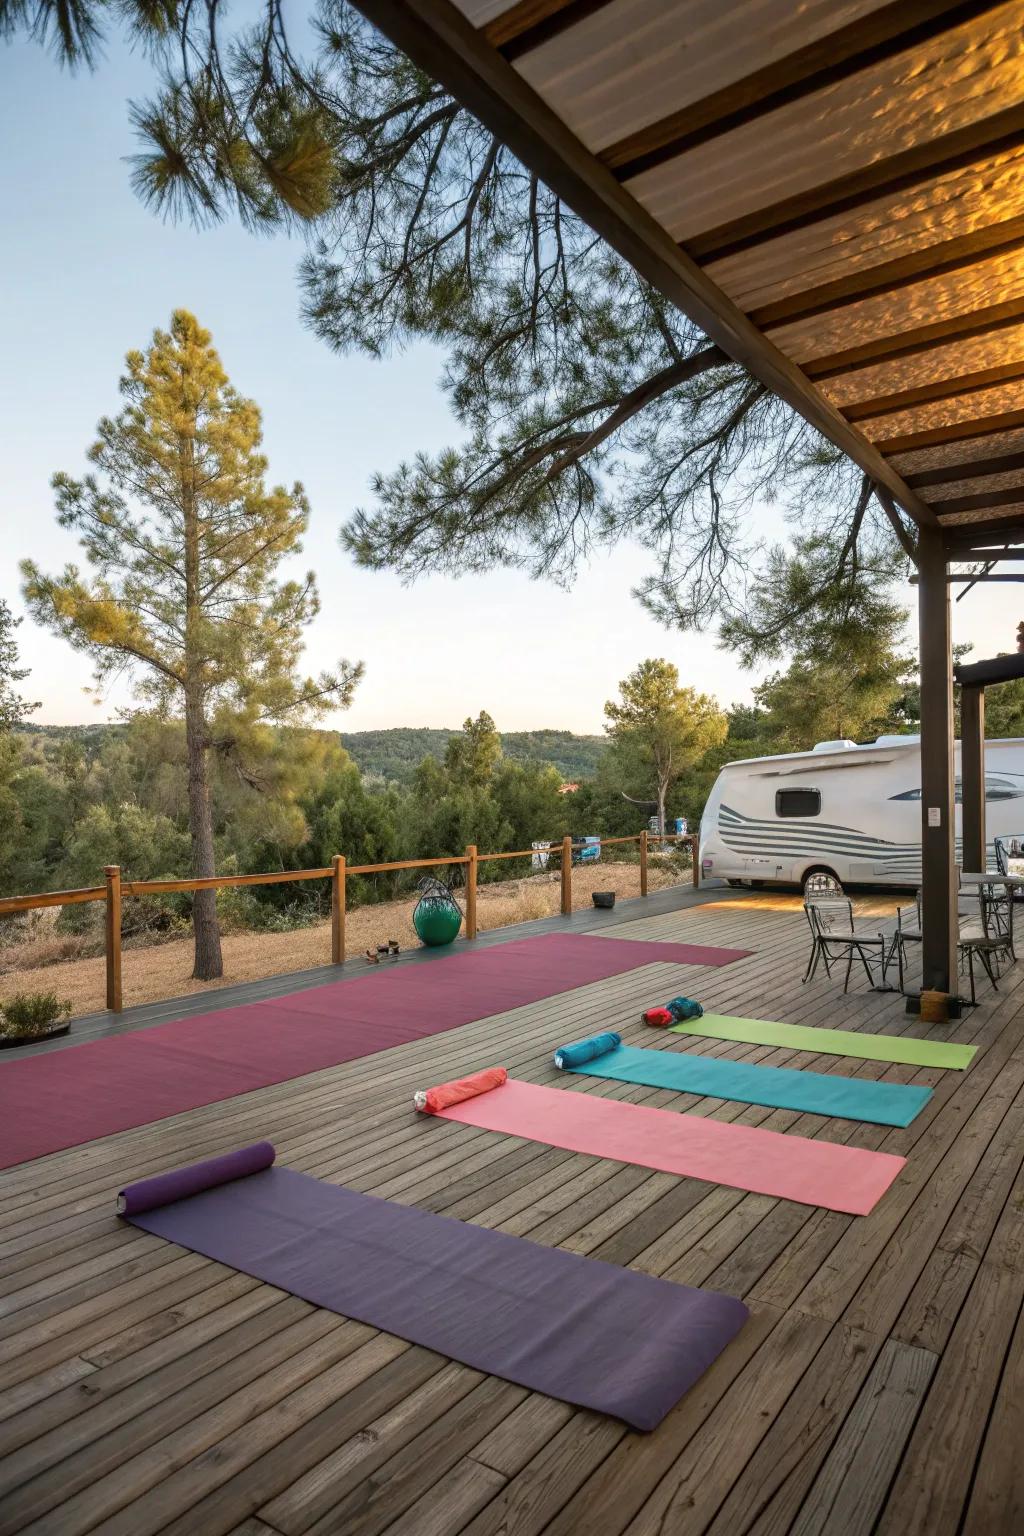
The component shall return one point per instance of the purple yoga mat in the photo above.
(610, 1339)
(62, 1098)
(180, 1183)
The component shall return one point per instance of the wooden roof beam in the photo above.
(969, 469)
(884, 177)
(866, 40)
(1010, 497)
(941, 389)
(1011, 527)
(440, 40)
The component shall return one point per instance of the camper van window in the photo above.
(798, 802)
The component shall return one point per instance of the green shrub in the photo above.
(30, 1013)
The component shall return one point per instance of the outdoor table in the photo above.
(991, 878)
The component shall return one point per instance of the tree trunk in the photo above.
(208, 961)
(662, 792)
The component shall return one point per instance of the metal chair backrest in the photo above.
(908, 919)
(830, 914)
(997, 912)
(1002, 862)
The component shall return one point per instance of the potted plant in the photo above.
(30, 1016)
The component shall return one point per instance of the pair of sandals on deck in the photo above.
(383, 952)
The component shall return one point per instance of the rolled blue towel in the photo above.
(585, 1050)
(684, 1008)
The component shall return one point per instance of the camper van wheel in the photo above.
(822, 882)
(734, 883)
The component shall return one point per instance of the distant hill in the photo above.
(395, 754)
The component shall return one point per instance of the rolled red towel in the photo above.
(433, 1100)
(659, 1016)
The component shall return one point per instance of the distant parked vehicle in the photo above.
(847, 811)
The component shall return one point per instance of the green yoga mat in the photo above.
(830, 1042)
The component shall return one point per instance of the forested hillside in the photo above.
(396, 754)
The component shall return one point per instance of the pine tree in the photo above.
(470, 759)
(659, 729)
(184, 539)
(13, 708)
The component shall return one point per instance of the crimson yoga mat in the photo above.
(594, 1335)
(824, 1173)
(62, 1098)
(816, 1093)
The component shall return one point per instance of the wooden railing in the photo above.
(337, 872)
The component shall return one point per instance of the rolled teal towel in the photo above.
(684, 1008)
(585, 1050)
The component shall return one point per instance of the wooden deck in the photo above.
(878, 1387)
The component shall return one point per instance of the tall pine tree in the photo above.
(184, 540)
(659, 730)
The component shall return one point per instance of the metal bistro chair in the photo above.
(908, 931)
(1003, 855)
(981, 933)
(997, 910)
(833, 937)
(990, 938)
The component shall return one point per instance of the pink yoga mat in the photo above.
(742, 1156)
(62, 1098)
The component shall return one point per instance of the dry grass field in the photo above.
(154, 971)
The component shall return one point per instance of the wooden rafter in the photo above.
(530, 23)
(941, 260)
(898, 173)
(970, 469)
(961, 431)
(867, 40)
(1007, 498)
(915, 343)
(941, 389)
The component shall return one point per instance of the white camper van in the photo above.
(851, 811)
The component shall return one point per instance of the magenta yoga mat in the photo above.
(576, 1328)
(63, 1098)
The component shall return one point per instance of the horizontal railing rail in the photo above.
(115, 889)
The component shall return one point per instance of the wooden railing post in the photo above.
(113, 937)
(566, 876)
(695, 860)
(643, 862)
(471, 869)
(338, 909)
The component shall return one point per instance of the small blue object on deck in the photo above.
(684, 1008)
(816, 1093)
(569, 1056)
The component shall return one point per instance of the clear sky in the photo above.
(87, 273)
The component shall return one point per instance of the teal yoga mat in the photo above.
(817, 1093)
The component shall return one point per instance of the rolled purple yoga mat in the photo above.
(148, 1194)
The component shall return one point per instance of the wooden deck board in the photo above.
(877, 1385)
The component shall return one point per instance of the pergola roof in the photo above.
(832, 189)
